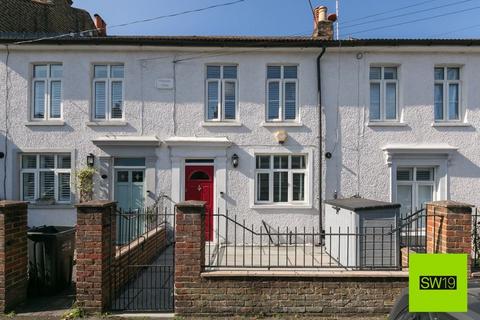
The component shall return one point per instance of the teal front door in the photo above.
(129, 194)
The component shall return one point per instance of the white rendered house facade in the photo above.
(153, 116)
(402, 121)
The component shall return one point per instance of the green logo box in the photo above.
(438, 283)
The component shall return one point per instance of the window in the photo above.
(280, 179)
(108, 92)
(282, 93)
(383, 94)
(47, 92)
(45, 177)
(415, 187)
(447, 93)
(221, 93)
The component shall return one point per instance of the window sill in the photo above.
(282, 124)
(451, 124)
(51, 206)
(386, 124)
(221, 124)
(45, 123)
(106, 123)
(281, 206)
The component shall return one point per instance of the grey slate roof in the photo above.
(22, 19)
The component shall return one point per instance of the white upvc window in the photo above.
(108, 92)
(45, 177)
(47, 91)
(447, 94)
(281, 178)
(221, 93)
(415, 187)
(384, 93)
(282, 93)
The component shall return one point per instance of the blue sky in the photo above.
(292, 17)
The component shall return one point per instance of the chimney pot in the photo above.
(101, 25)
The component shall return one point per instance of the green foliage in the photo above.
(84, 179)
(74, 313)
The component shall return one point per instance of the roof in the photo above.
(358, 204)
(236, 41)
(33, 18)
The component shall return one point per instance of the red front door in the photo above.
(199, 186)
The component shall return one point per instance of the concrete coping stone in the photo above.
(12, 203)
(304, 274)
(95, 204)
(191, 204)
(450, 204)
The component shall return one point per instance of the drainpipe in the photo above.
(320, 131)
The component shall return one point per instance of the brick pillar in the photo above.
(13, 254)
(189, 252)
(95, 253)
(449, 227)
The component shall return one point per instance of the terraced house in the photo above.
(236, 121)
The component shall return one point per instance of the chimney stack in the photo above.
(101, 26)
(323, 24)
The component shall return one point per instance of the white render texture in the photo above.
(359, 164)
(150, 111)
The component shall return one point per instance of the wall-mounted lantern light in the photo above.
(2, 155)
(235, 160)
(90, 160)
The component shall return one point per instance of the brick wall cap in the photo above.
(95, 203)
(191, 204)
(304, 274)
(450, 204)
(12, 203)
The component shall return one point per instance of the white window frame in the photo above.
(282, 81)
(415, 183)
(383, 97)
(221, 93)
(271, 172)
(108, 91)
(37, 171)
(446, 83)
(48, 92)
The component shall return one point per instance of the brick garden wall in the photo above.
(294, 295)
(13, 254)
(203, 293)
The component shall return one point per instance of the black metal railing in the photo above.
(475, 240)
(240, 245)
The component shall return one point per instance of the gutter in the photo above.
(320, 131)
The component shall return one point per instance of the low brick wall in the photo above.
(290, 295)
(283, 292)
(140, 251)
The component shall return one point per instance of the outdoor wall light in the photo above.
(235, 160)
(90, 160)
(2, 155)
(104, 176)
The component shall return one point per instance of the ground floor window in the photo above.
(280, 178)
(45, 177)
(415, 187)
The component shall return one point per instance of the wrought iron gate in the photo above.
(142, 272)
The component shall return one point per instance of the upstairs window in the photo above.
(47, 92)
(46, 177)
(221, 93)
(447, 94)
(383, 94)
(282, 93)
(108, 93)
